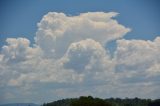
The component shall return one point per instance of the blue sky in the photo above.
(20, 17)
(54, 49)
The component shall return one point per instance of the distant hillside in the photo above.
(20, 104)
(90, 101)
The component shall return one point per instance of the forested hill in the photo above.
(90, 101)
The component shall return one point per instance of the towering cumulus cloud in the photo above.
(56, 31)
(69, 58)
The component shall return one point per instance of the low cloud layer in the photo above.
(68, 59)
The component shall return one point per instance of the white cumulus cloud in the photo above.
(69, 56)
(56, 31)
(18, 50)
(137, 59)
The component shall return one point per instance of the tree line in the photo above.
(91, 101)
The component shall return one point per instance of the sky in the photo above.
(54, 49)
